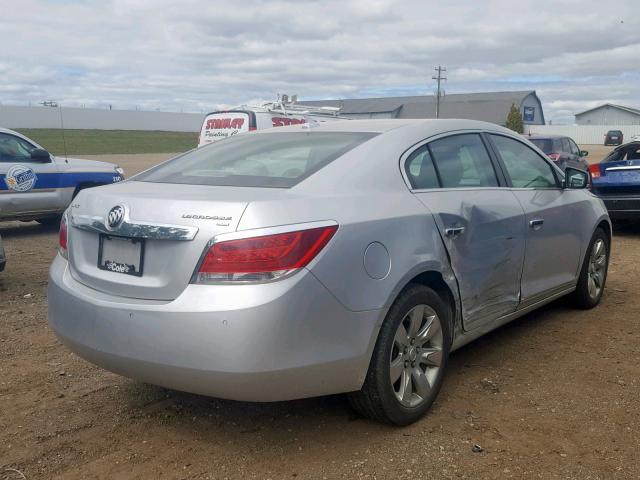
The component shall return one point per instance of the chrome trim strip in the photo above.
(128, 228)
(630, 167)
(524, 303)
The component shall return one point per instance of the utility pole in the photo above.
(439, 93)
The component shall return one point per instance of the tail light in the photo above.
(261, 258)
(63, 238)
(594, 170)
(554, 156)
(252, 129)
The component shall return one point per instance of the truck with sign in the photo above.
(221, 124)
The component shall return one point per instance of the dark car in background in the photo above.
(563, 151)
(616, 179)
(614, 137)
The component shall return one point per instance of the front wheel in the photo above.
(593, 274)
(409, 359)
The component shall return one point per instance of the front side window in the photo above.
(525, 167)
(257, 160)
(462, 161)
(420, 170)
(14, 149)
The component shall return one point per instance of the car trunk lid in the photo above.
(616, 177)
(169, 224)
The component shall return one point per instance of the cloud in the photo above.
(195, 56)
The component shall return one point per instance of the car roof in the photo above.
(544, 137)
(427, 127)
(624, 145)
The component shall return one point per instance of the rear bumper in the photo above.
(622, 207)
(280, 341)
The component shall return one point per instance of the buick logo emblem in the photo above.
(115, 216)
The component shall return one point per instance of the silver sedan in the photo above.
(349, 256)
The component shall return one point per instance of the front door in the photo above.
(480, 221)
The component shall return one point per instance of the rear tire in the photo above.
(409, 360)
(593, 275)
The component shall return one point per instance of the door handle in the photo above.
(536, 223)
(453, 231)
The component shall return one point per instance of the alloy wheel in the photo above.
(597, 268)
(416, 355)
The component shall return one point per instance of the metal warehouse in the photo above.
(488, 106)
(609, 114)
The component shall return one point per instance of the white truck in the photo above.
(225, 123)
(36, 185)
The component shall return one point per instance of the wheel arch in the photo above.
(447, 290)
(605, 225)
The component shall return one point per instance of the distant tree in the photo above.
(514, 119)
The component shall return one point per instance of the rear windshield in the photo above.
(544, 144)
(257, 160)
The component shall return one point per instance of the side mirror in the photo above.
(40, 155)
(575, 178)
(584, 153)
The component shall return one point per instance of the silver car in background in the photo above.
(344, 257)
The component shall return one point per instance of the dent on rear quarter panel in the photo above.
(397, 220)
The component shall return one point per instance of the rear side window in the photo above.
(544, 144)
(525, 167)
(257, 160)
(462, 161)
(420, 169)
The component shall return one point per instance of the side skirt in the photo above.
(525, 308)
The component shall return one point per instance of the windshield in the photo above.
(544, 144)
(257, 160)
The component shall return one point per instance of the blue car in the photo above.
(616, 180)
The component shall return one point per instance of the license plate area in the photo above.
(121, 254)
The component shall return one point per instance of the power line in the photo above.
(439, 93)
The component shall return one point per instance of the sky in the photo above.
(196, 56)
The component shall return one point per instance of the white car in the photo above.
(35, 185)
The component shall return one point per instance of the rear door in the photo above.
(221, 125)
(27, 187)
(480, 221)
(555, 219)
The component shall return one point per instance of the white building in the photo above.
(609, 114)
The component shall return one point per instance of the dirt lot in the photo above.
(555, 394)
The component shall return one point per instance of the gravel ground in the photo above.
(552, 395)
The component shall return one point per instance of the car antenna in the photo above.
(64, 140)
